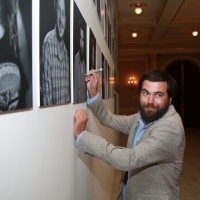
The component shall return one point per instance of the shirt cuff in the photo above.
(93, 99)
(78, 138)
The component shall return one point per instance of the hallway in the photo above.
(190, 176)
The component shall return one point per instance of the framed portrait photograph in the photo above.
(79, 55)
(115, 81)
(108, 2)
(99, 65)
(105, 78)
(109, 35)
(54, 52)
(15, 55)
(103, 82)
(99, 9)
(106, 23)
(92, 50)
(109, 80)
(102, 12)
(110, 6)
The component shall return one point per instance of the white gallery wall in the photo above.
(38, 157)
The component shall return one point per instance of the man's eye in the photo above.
(158, 95)
(145, 93)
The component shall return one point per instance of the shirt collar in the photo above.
(142, 125)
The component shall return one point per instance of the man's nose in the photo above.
(151, 98)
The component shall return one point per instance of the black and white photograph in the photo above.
(92, 51)
(113, 6)
(112, 45)
(99, 9)
(79, 54)
(115, 103)
(109, 35)
(104, 78)
(115, 88)
(54, 52)
(110, 6)
(15, 55)
(102, 13)
(109, 81)
(106, 23)
(99, 65)
(108, 2)
(114, 23)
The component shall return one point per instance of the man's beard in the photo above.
(60, 38)
(149, 116)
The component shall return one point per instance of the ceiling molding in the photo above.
(164, 27)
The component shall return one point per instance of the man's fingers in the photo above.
(80, 119)
(95, 75)
(80, 115)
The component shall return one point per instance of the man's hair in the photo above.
(55, 4)
(160, 76)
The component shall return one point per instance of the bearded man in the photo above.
(80, 91)
(55, 61)
(154, 155)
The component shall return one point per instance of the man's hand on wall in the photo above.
(80, 121)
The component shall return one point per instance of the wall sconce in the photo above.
(134, 33)
(194, 31)
(138, 7)
(112, 80)
(132, 82)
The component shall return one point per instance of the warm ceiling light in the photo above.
(194, 31)
(138, 7)
(134, 32)
(138, 10)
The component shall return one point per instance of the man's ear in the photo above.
(170, 100)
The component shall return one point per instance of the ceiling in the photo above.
(163, 27)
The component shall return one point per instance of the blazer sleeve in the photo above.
(162, 145)
(120, 123)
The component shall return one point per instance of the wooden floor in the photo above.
(190, 176)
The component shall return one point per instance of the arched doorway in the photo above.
(187, 99)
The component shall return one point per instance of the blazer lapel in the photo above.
(130, 138)
(170, 112)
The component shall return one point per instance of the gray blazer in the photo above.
(154, 163)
